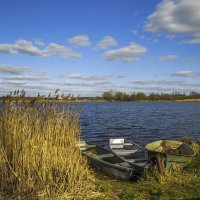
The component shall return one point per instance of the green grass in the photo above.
(175, 184)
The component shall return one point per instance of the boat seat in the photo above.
(124, 164)
(124, 151)
(91, 145)
(127, 144)
(134, 160)
(103, 156)
(83, 145)
(119, 146)
(141, 164)
(116, 143)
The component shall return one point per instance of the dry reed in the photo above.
(39, 156)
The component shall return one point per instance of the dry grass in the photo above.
(39, 157)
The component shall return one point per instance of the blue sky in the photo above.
(86, 47)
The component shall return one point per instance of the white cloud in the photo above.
(176, 17)
(38, 42)
(128, 53)
(53, 49)
(88, 78)
(27, 47)
(168, 57)
(80, 41)
(106, 42)
(163, 86)
(186, 74)
(5, 48)
(24, 78)
(158, 82)
(14, 83)
(89, 84)
(192, 41)
(7, 69)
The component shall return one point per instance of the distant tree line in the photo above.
(140, 96)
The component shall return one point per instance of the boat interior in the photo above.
(100, 153)
(171, 147)
(128, 151)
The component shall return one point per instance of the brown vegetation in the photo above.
(39, 156)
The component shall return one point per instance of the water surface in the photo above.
(142, 122)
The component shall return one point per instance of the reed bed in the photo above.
(39, 156)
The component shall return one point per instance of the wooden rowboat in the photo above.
(104, 160)
(172, 152)
(130, 152)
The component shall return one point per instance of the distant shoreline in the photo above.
(96, 101)
(101, 101)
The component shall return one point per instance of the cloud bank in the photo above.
(158, 82)
(27, 47)
(88, 78)
(186, 74)
(8, 69)
(176, 17)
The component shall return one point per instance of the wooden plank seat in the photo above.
(124, 164)
(103, 156)
(134, 160)
(91, 145)
(125, 151)
(120, 145)
(141, 164)
(83, 146)
(127, 144)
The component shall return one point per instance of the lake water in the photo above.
(141, 122)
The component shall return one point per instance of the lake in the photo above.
(141, 122)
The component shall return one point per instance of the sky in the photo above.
(87, 47)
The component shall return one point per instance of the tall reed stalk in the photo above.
(39, 156)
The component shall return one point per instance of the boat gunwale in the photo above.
(171, 153)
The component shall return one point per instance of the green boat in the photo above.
(130, 152)
(172, 152)
(105, 161)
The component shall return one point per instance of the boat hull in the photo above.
(105, 161)
(181, 156)
(180, 161)
(110, 169)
